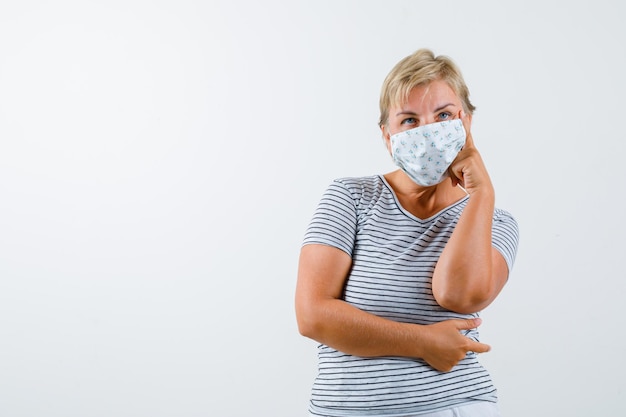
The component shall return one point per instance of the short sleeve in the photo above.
(505, 236)
(334, 221)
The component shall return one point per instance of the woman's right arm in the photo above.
(322, 315)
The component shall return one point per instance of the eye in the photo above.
(409, 121)
(444, 115)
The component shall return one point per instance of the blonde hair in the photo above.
(421, 68)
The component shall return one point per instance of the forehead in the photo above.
(434, 93)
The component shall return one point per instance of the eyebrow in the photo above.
(413, 113)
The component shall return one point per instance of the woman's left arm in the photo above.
(470, 272)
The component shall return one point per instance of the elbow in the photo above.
(309, 324)
(463, 301)
(462, 293)
(463, 305)
(306, 328)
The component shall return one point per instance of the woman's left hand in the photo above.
(468, 169)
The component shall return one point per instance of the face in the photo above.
(430, 103)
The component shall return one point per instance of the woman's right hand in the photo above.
(444, 345)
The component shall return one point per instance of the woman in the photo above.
(395, 268)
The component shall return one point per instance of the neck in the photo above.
(420, 201)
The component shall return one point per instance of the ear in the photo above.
(386, 137)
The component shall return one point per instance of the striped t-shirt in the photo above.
(393, 258)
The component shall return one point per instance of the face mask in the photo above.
(426, 152)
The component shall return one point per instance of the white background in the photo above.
(160, 160)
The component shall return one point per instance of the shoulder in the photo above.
(360, 193)
(506, 229)
(505, 235)
(503, 216)
(361, 185)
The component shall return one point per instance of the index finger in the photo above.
(478, 347)
(467, 125)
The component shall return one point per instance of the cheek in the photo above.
(385, 138)
(387, 143)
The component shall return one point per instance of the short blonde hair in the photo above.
(421, 68)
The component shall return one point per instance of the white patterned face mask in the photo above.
(426, 152)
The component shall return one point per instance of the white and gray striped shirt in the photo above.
(394, 255)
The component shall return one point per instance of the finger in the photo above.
(467, 125)
(467, 324)
(453, 179)
(478, 347)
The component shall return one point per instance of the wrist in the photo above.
(485, 192)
